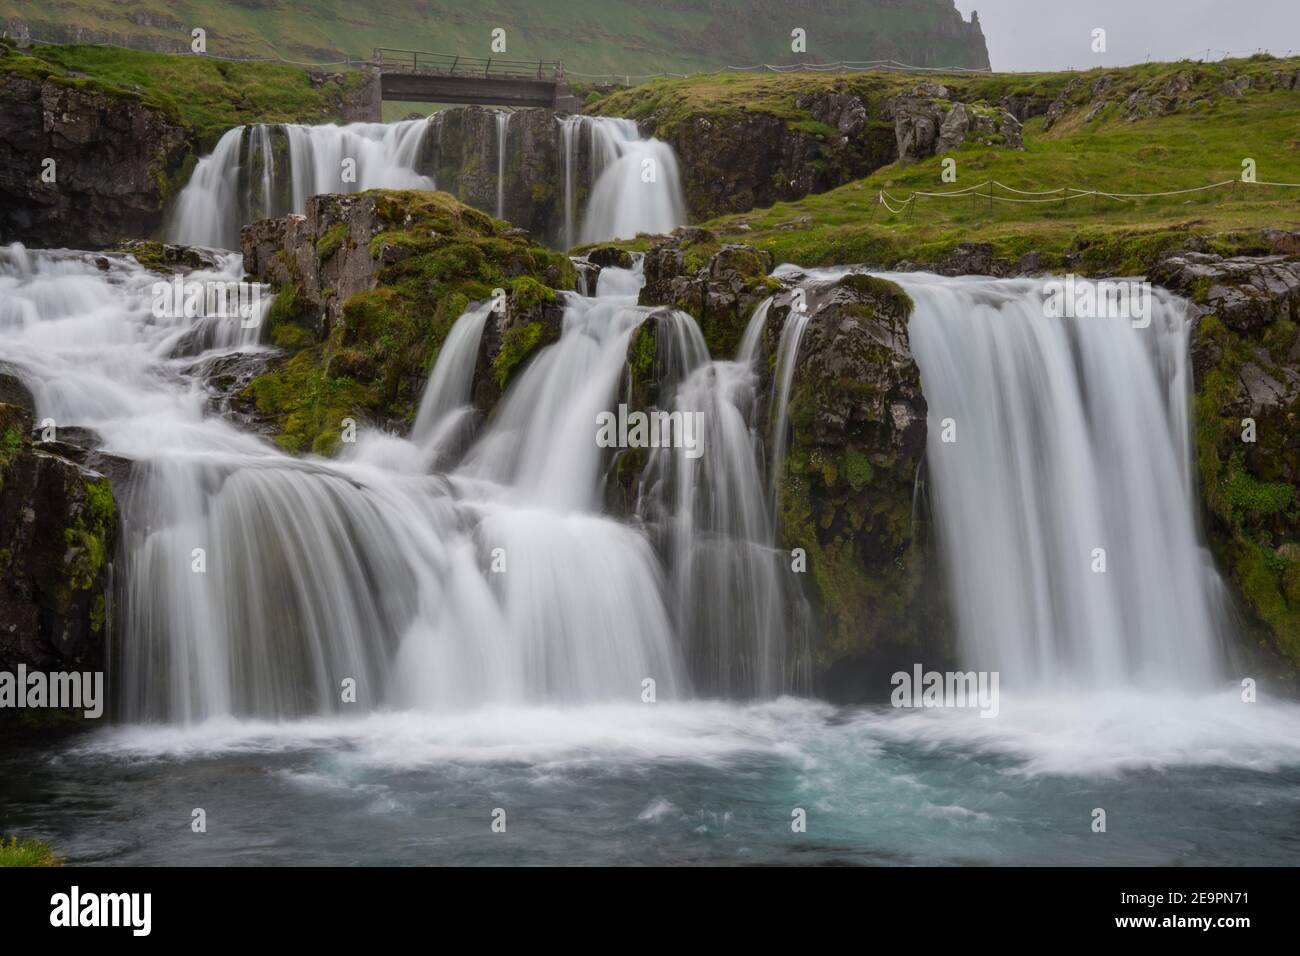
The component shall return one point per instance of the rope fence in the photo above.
(1059, 196)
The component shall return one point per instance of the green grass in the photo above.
(599, 36)
(208, 95)
(1195, 146)
(26, 853)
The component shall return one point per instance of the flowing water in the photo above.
(500, 625)
(261, 171)
(312, 160)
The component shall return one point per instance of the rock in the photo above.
(113, 158)
(167, 257)
(14, 392)
(927, 126)
(1246, 292)
(857, 441)
(736, 160)
(326, 253)
(58, 529)
(720, 285)
(843, 110)
(1245, 351)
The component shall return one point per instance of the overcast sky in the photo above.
(1057, 34)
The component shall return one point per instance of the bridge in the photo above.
(419, 77)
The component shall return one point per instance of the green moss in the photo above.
(331, 241)
(517, 345)
(389, 336)
(98, 611)
(857, 470)
(27, 853)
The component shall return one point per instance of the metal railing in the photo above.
(448, 64)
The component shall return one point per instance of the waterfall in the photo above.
(503, 133)
(1072, 435)
(207, 211)
(744, 625)
(787, 352)
(265, 170)
(445, 408)
(638, 187)
(319, 159)
(569, 128)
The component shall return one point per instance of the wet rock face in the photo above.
(460, 152)
(719, 284)
(58, 529)
(1245, 348)
(733, 162)
(113, 162)
(326, 252)
(856, 445)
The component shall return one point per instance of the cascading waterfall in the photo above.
(638, 187)
(264, 170)
(503, 135)
(318, 159)
(569, 129)
(743, 622)
(1072, 434)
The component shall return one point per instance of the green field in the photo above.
(595, 36)
(1203, 140)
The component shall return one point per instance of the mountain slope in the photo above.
(592, 36)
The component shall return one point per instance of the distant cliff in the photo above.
(627, 37)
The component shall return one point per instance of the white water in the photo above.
(503, 134)
(1073, 435)
(638, 188)
(741, 616)
(527, 684)
(210, 209)
(369, 567)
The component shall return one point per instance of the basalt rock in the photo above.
(857, 421)
(114, 163)
(719, 284)
(368, 286)
(736, 160)
(58, 529)
(1246, 364)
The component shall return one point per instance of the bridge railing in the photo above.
(449, 64)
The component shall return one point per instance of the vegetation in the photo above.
(596, 36)
(207, 95)
(26, 853)
(1149, 135)
(442, 256)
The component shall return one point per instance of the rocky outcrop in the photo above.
(1246, 363)
(929, 122)
(58, 529)
(733, 161)
(461, 153)
(718, 284)
(368, 286)
(855, 448)
(113, 163)
(325, 255)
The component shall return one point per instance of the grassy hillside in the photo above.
(595, 36)
(209, 96)
(1146, 133)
